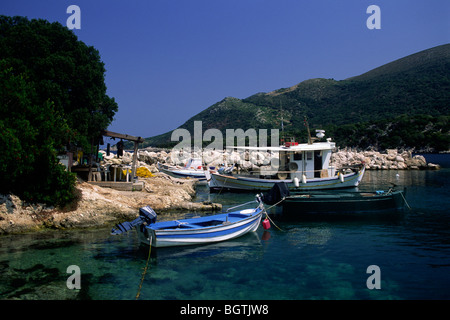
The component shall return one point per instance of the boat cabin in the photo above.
(301, 161)
(313, 160)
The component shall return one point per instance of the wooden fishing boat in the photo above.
(199, 230)
(333, 201)
(344, 202)
(218, 182)
(303, 167)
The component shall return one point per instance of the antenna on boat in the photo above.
(282, 122)
(307, 128)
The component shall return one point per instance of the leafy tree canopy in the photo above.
(52, 93)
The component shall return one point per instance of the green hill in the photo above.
(402, 104)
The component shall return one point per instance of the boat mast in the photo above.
(282, 122)
(309, 133)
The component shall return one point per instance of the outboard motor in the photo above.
(146, 215)
(278, 192)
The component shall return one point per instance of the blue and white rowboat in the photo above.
(193, 231)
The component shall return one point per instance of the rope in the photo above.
(406, 202)
(276, 204)
(267, 215)
(145, 269)
(223, 186)
(220, 191)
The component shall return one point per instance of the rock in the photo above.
(127, 158)
(401, 165)
(391, 154)
(246, 165)
(417, 161)
(374, 160)
(399, 159)
(406, 155)
(420, 159)
(115, 161)
(433, 166)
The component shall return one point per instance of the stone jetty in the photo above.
(391, 159)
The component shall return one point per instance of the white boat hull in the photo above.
(183, 237)
(218, 182)
(182, 173)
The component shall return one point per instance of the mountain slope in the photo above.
(412, 86)
(434, 57)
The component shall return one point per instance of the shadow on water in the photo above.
(386, 216)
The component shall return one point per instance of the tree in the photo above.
(63, 69)
(30, 134)
(52, 93)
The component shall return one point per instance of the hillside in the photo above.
(404, 104)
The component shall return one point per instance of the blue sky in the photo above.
(167, 60)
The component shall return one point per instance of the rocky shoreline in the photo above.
(392, 159)
(99, 206)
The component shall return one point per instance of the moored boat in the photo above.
(192, 169)
(336, 202)
(199, 230)
(302, 167)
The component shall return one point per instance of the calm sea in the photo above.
(307, 259)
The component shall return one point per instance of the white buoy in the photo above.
(303, 179)
(296, 182)
(341, 177)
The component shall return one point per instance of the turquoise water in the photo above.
(315, 259)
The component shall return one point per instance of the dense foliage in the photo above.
(52, 94)
(428, 133)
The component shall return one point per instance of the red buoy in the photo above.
(266, 224)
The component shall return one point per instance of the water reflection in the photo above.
(243, 247)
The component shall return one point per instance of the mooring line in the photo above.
(267, 215)
(145, 269)
(406, 202)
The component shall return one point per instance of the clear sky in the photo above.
(167, 60)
